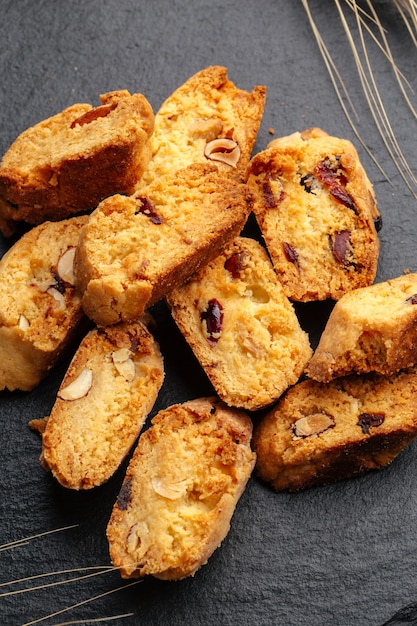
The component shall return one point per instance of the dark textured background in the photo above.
(340, 555)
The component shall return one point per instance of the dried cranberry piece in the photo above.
(270, 199)
(290, 252)
(235, 264)
(147, 208)
(341, 246)
(412, 299)
(93, 114)
(213, 317)
(125, 495)
(332, 176)
(369, 420)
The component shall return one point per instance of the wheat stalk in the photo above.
(368, 27)
(58, 578)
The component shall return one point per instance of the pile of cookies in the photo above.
(124, 208)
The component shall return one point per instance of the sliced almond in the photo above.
(124, 364)
(224, 150)
(79, 387)
(312, 424)
(65, 267)
(58, 296)
(169, 489)
(24, 323)
(138, 539)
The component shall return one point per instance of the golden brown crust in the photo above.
(67, 163)
(40, 310)
(108, 391)
(320, 433)
(136, 249)
(369, 329)
(181, 488)
(206, 108)
(258, 349)
(317, 211)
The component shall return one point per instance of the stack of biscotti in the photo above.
(358, 410)
(181, 489)
(317, 212)
(40, 310)
(107, 393)
(67, 163)
(188, 205)
(241, 326)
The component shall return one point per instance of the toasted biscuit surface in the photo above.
(109, 389)
(206, 118)
(135, 249)
(241, 326)
(67, 163)
(317, 212)
(370, 329)
(181, 488)
(319, 433)
(39, 308)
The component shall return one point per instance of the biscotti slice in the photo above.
(181, 489)
(206, 118)
(241, 326)
(108, 391)
(135, 249)
(40, 311)
(370, 329)
(323, 432)
(67, 163)
(317, 212)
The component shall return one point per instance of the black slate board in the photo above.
(339, 555)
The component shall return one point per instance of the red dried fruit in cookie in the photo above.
(93, 114)
(147, 208)
(213, 318)
(369, 420)
(340, 245)
(235, 264)
(332, 176)
(412, 299)
(291, 253)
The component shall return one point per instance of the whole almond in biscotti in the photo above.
(317, 212)
(67, 163)
(136, 249)
(319, 433)
(40, 311)
(108, 391)
(181, 489)
(207, 118)
(369, 329)
(241, 326)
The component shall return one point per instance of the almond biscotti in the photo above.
(181, 489)
(40, 311)
(241, 326)
(67, 163)
(135, 249)
(317, 212)
(369, 329)
(108, 391)
(206, 118)
(320, 433)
